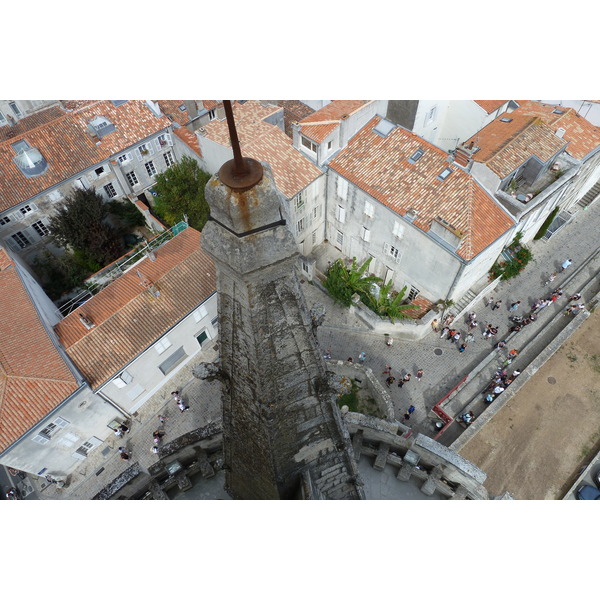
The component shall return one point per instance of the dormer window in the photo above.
(416, 156)
(444, 174)
(15, 109)
(505, 120)
(28, 159)
(101, 126)
(556, 111)
(2, 119)
(308, 144)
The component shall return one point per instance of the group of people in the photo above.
(499, 383)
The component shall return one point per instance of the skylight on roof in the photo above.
(442, 176)
(101, 126)
(118, 102)
(182, 107)
(383, 127)
(505, 120)
(557, 111)
(416, 156)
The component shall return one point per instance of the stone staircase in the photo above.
(591, 195)
(462, 304)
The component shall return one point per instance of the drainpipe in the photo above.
(114, 405)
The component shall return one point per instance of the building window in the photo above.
(412, 294)
(172, 361)
(369, 210)
(202, 338)
(132, 178)
(215, 323)
(342, 188)
(169, 159)
(300, 225)
(2, 119)
(124, 158)
(314, 237)
(100, 171)
(339, 237)
(144, 150)
(431, 115)
(101, 126)
(41, 229)
(4, 220)
(211, 114)
(444, 174)
(329, 145)
(54, 195)
(308, 144)
(416, 156)
(164, 140)
(316, 212)
(340, 214)
(20, 239)
(162, 345)
(45, 435)
(15, 109)
(392, 251)
(366, 234)
(300, 201)
(200, 313)
(109, 188)
(397, 229)
(150, 168)
(25, 209)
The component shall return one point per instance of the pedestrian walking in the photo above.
(404, 380)
(157, 436)
(493, 332)
(515, 373)
(349, 359)
(390, 380)
(514, 306)
(155, 449)
(389, 340)
(411, 409)
(406, 416)
(451, 334)
(513, 353)
(387, 370)
(434, 325)
(498, 390)
(462, 348)
(469, 338)
(162, 419)
(327, 353)
(566, 264)
(123, 453)
(500, 345)
(448, 320)
(487, 331)
(455, 337)
(419, 374)
(489, 301)
(497, 304)
(176, 396)
(551, 278)
(472, 316)
(362, 357)
(444, 332)
(473, 325)
(181, 405)
(574, 297)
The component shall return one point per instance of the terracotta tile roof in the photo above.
(583, 136)
(76, 104)
(293, 110)
(266, 142)
(172, 110)
(127, 318)
(209, 104)
(379, 166)
(291, 169)
(323, 121)
(249, 118)
(189, 139)
(69, 149)
(31, 122)
(34, 379)
(490, 105)
(505, 146)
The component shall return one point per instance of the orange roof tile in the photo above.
(31, 122)
(262, 141)
(189, 139)
(490, 105)
(583, 136)
(505, 146)
(378, 165)
(127, 318)
(325, 120)
(69, 149)
(34, 378)
(172, 109)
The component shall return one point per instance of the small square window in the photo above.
(150, 168)
(162, 345)
(109, 188)
(444, 174)
(416, 156)
(505, 120)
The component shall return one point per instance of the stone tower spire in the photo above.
(282, 432)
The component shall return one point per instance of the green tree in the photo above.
(80, 224)
(180, 192)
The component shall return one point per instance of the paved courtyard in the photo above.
(345, 335)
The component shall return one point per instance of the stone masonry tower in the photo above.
(282, 432)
